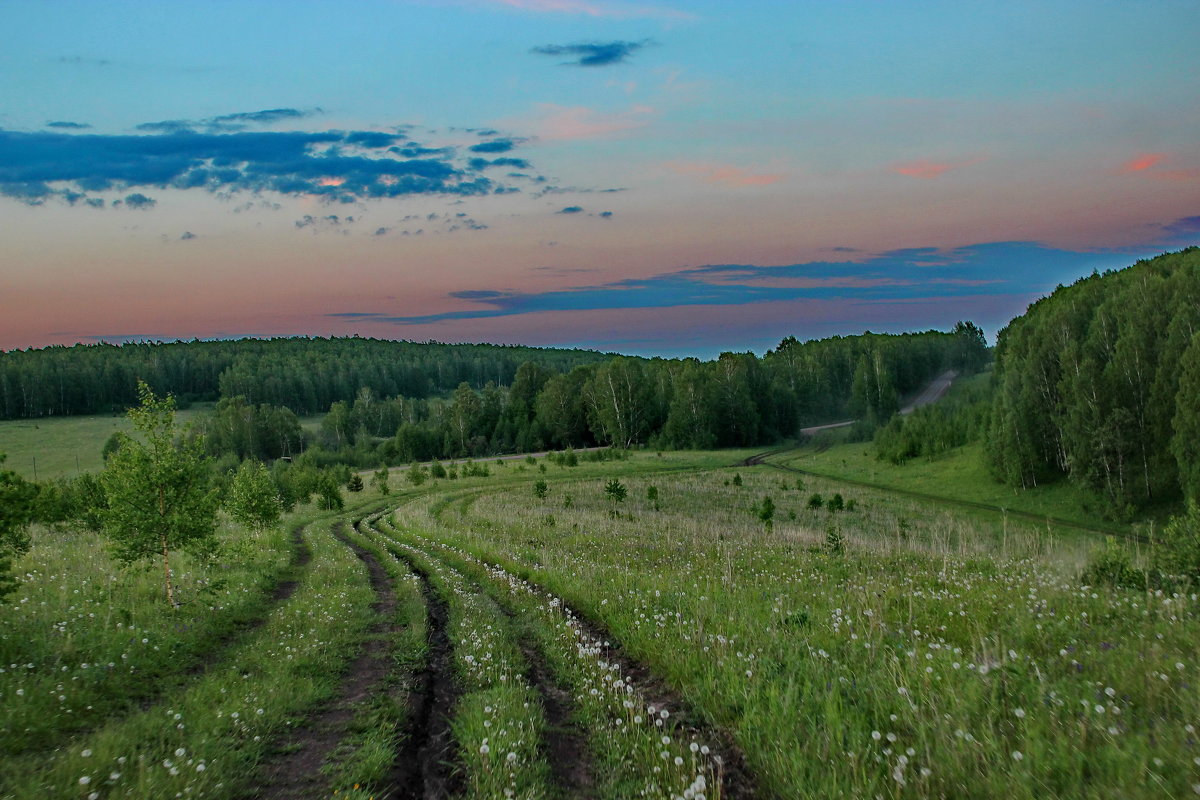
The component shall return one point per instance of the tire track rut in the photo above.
(566, 744)
(296, 774)
(424, 768)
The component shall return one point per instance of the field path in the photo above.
(933, 392)
(297, 773)
(424, 765)
(574, 777)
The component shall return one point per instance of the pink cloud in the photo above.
(724, 173)
(1143, 161)
(553, 122)
(924, 168)
(592, 9)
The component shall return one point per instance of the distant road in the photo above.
(933, 392)
(930, 394)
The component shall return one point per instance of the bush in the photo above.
(835, 542)
(836, 503)
(815, 502)
(1113, 567)
(1178, 553)
(766, 512)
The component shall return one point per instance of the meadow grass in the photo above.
(637, 748)
(62, 447)
(83, 639)
(363, 761)
(959, 474)
(498, 724)
(205, 740)
(894, 648)
(932, 665)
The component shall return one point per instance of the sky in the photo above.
(676, 178)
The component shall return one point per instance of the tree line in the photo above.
(303, 374)
(1099, 383)
(738, 399)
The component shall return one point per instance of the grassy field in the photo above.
(60, 447)
(648, 627)
(960, 474)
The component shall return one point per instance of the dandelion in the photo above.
(484, 749)
(86, 753)
(1019, 713)
(85, 780)
(1017, 755)
(876, 735)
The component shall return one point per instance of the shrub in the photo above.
(1178, 553)
(1113, 567)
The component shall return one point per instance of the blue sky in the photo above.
(676, 178)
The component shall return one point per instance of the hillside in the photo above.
(1099, 383)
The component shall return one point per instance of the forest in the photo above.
(304, 374)
(1099, 383)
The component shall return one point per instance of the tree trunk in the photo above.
(162, 538)
(167, 571)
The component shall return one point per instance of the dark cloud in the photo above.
(592, 54)
(64, 125)
(381, 231)
(475, 294)
(139, 200)
(343, 166)
(228, 123)
(1013, 269)
(494, 146)
(606, 214)
(187, 235)
(1183, 226)
(570, 210)
(483, 163)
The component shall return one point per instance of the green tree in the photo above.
(355, 484)
(17, 497)
(329, 492)
(540, 489)
(1178, 554)
(615, 491)
(159, 491)
(415, 474)
(253, 497)
(766, 512)
(1185, 443)
(380, 479)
